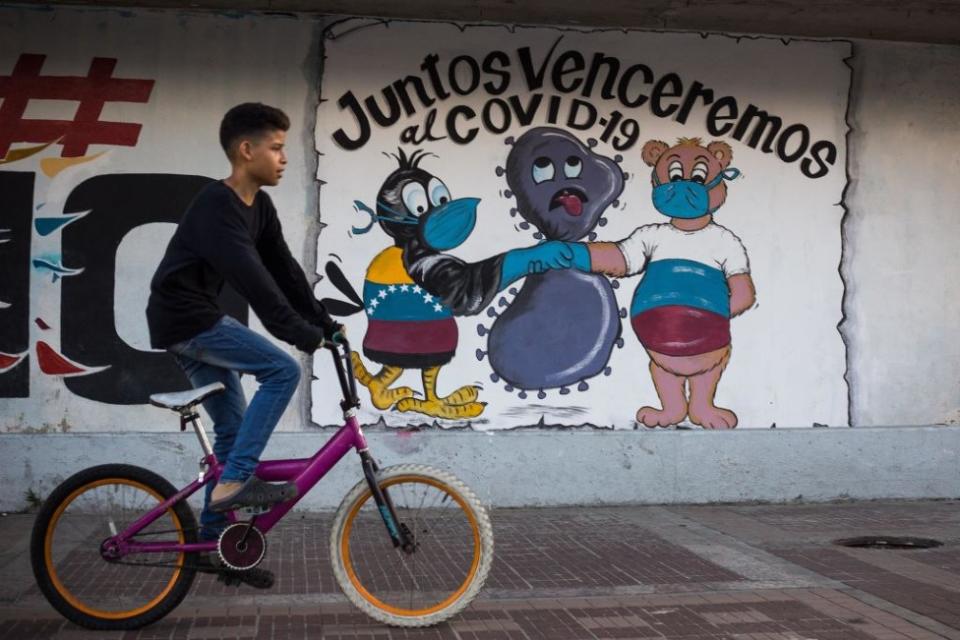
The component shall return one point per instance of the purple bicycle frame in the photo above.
(304, 472)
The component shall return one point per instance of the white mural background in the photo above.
(788, 362)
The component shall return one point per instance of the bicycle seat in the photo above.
(181, 401)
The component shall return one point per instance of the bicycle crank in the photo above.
(241, 546)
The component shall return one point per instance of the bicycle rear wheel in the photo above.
(78, 581)
(452, 556)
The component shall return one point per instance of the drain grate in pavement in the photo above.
(888, 542)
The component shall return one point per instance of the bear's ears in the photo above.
(652, 150)
(721, 151)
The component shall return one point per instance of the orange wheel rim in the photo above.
(55, 579)
(398, 611)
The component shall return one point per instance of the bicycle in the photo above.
(115, 546)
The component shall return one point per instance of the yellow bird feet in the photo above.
(459, 405)
(360, 370)
(439, 408)
(381, 396)
(464, 395)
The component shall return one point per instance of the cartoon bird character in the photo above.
(696, 277)
(413, 290)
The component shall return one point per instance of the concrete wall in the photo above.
(583, 467)
(900, 258)
(899, 297)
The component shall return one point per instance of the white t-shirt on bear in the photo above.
(714, 246)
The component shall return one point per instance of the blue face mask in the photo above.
(394, 216)
(444, 228)
(450, 224)
(686, 198)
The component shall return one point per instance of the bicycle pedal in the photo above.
(253, 511)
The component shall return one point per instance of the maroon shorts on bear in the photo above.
(677, 330)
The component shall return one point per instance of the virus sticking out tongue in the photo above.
(571, 202)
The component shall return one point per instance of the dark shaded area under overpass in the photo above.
(930, 21)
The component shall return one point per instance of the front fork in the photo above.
(400, 534)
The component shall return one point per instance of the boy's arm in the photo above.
(289, 275)
(223, 241)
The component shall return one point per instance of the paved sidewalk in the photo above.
(732, 572)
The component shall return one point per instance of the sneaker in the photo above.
(254, 492)
(256, 577)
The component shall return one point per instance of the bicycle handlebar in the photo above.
(338, 338)
(343, 363)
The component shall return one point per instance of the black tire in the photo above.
(69, 601)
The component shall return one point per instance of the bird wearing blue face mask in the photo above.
(413, 290)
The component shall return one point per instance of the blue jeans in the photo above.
(220, 354)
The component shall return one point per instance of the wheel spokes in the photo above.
(443, 557)
(88, 581)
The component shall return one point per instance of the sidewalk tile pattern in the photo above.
(678, 573)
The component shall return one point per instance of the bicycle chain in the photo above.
(212, 569)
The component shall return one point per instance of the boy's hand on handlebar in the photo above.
(338, 335)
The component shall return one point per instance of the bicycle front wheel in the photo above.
(453, 547)
(89, 589)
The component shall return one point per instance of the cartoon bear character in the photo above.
(696, 276)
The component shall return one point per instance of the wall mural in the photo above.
(93, 360)
(64, 144)
(575, 228)
(99, 158)
(521, 226)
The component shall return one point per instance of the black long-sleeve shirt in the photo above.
(220, 239)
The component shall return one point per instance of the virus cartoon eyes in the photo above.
(573, 167)
(544, 170)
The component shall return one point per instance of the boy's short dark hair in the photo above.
(250, 119)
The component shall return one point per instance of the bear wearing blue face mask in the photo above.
(696, 277)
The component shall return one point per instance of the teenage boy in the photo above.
(231, 233)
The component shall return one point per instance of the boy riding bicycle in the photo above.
(230, 233)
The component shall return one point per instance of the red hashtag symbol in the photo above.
(92, 92)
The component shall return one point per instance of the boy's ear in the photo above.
(244, 150)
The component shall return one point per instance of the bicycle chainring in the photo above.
(238, 553)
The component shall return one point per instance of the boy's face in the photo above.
(264, 157)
